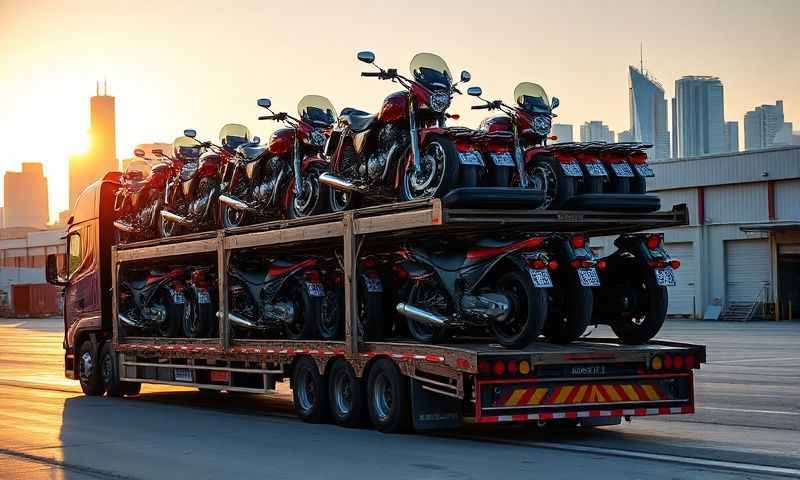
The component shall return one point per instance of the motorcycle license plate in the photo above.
(373, 284)
(470, 158)
(502, 159)
(572, 169)
(177, 297)
(665, 277)
(588, 277)
(183, 375)
(645, 170)
(540, 278)
(596, 170)
(315, 289)
(203, 297)
(622, 169)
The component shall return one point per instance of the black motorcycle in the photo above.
(153, 302)
(201, 300)
(496, 284)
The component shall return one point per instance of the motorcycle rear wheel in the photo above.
(305, 326)
(420, 331)
(528, 310)
(651, 311)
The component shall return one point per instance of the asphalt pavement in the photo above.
(747, 425)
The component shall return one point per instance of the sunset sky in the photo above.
(176, 65)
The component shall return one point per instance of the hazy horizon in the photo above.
(202, 64)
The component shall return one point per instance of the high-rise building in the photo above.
(102, 154)
(698, 116)
(731, 136)
(625, 136)
(764, 127)
(25, 197)
(563, 131)
(648, 111)
(795, 138)
(596, 131)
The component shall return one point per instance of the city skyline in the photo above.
(169, 79)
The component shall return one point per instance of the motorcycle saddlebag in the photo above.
(493, 198)
(614, 202)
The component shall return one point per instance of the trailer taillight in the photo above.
(673, 362)
(656, 363)
(483, 367)
(499, 367)
(512, 367)
(524, 367)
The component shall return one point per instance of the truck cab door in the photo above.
(81, 296)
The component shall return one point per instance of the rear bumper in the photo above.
(620, 412)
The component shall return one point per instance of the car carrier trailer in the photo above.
(595, 381)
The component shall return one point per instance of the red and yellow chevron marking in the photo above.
(583, 394)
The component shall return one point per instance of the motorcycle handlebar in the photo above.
(480, 107)
(371, 74)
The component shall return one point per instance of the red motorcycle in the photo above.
(404, 151)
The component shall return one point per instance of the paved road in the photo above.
(747, 425)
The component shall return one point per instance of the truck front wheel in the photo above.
(89, 370)
(388, 397)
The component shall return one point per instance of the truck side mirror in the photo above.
(51, 272)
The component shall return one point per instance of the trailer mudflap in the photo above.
(550, 399)
(433, 411)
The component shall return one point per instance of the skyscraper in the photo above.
(648, 110)
(102, 155)
(25, 197)
(625, 136)
(763, 125)
(699, 116)
(563, 131)
(731, 136)
(596, 131)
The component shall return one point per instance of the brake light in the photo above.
(537, 264)
(667, 362)
(552, 265)
(198, 276)
(690, 361)
(677, 362)
(578, 241)
(675, 264)
(578, 263)
(499, 367)
(601, 264)
(657, 264)
(312, 276)
(512, 367)
(653, 241)
(483, 367)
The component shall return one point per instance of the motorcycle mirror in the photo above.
(465, 76)
(366, 56)
(256, 140)
(474, 91)
(555, 103)
(139, 153)
(264, 102)
(190, 133)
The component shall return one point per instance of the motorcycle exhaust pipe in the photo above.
(237, 204)
(421, 315)
(120, 225)
(174, 217)
(338, 182)
(127, 321)
(242, 322)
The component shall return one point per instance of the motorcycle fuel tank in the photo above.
(394, 108)
(281, 141)
(499, 123)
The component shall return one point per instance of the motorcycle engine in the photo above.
(388, 136)
(263, 192)
(145, 215)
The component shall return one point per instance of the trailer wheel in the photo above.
(309, 391)
(388, 398)
(89, 370)
(346, 395)
(109, 368)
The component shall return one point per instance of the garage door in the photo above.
(681, 296)
(747, 269)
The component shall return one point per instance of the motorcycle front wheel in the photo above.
(568, 321)
(649, 312)
(314, 199)
(527, 314)
(232, 217)
(438, 172)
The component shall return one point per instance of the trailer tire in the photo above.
(388, 398)
(346, 395)
(309, 392)
(89, 370)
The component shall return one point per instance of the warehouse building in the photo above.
(740, 253)
(23, 254)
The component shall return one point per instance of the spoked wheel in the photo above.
(314, 198)
(573, 312)
(388, 397)
(527, 313)
(648, 313)
(545, 175)
(232, 217)
(427, 297)
(437, 173)
(346, 395)
(307, 310)
(309, 391)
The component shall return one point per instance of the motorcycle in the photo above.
(404, 151)
(280, 180)
(139, 199)
(191, 197)
(633, 297)
(529, 123)
(628, 167)
(285, 296)
(153, 302)
(201, 300)
(497, 284)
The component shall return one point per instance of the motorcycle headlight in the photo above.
(541, 125)
(439, 101)
(317, 138)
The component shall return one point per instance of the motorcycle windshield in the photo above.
(137, 169)
(432, 71)
(186, 147)
(531, 97)
(233, 135)
(316, 110)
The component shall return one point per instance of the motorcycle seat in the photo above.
(358, 120)
(253, 278)
(446, 261)
(138, 285)
(249, 151)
